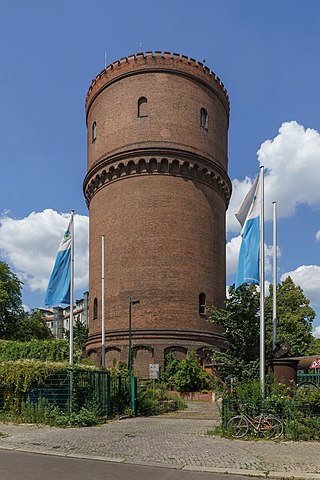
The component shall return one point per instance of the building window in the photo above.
(94, 131)
(203, 119)
(202, 304)
(142, 107)
(95, 309)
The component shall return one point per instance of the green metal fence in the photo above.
(309, 377)
(298, 417)
(72, 390)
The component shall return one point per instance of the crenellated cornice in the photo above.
(155, 62)
(157, 162)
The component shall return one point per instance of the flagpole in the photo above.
(274, 302)
(262, 324)
(71, 289)
(103, 332)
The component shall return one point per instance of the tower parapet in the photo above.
(141, 62)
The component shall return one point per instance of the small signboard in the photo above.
(154, 371)
(315, 363)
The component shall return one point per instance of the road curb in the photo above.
(175, 466)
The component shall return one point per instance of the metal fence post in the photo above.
(134, 405)
(108, 412)
(70, 391)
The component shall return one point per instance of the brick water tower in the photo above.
(157, 189)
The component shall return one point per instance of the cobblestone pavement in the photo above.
(165, 441)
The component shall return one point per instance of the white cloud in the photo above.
(308, 278)
(292, 174)
(233, 247)
(266, 288)
(30, 246)
(232, 254)
(316, 332)
(292, 160)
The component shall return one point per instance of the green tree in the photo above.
(294, 318)
(241, 323)
(32, 326)
(80, 334)
(15, 323)
(314, 348)
(11, 310)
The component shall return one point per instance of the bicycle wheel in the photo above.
(238, 426)
(271, 426)
(304, 388)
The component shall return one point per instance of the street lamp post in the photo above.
(131, 302)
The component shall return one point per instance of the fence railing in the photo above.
(301, 420)
(309, 377)
(72, 390)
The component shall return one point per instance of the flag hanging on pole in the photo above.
(249, 255)
(58, 290)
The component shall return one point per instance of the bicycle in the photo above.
(304, 388)
(270, 426)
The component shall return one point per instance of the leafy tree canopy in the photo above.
(32, 326)
(11, 310)
(294, 318)
(15, 323)
(241, 320)
(80, 334)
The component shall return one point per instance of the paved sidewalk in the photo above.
(180, 443)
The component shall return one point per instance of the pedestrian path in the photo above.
(165, 441)
(197, 410)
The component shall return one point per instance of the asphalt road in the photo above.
(30, 466)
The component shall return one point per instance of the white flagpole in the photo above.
(262, 324)
(71, 289)
(103, 332)
(274, 303)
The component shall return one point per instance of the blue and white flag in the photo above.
(58, 290)
(249, 255)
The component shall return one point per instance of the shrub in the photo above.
(44, 413)
(186, 375)
(300, 415)
(45, 350)
(158, 401)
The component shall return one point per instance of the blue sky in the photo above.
(266, 54)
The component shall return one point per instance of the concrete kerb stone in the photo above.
(296, 475)
(193, 468)
(230, 471)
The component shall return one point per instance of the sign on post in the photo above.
(315, 363)
(154, 371)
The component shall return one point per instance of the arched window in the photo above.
(202, 303)
(94, 131)
(95, 309)
(142, 107)
(203, 119)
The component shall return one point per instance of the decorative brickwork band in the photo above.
(109, 171)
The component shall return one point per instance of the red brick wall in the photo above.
(157, 188)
